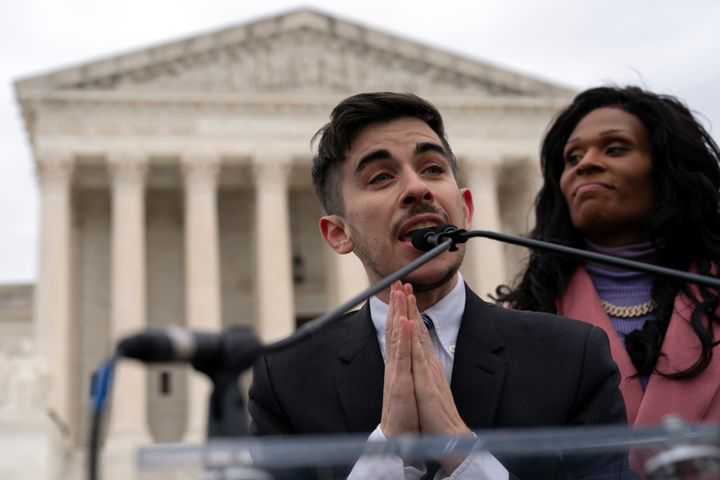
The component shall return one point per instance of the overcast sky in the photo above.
(667, 46)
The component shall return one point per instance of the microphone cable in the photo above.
(101, 385)
(427, 238)
(432, 241)
(100, 391)
(319, 323)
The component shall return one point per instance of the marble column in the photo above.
(53, 305)
(202, 272)
(274, 301)
(484, 259)
(128, 420)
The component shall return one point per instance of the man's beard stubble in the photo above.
(364, 251)
(419, 286)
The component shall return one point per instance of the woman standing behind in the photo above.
(633, 174)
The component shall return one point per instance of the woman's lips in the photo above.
(590, 187)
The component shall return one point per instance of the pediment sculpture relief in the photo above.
(302, 60)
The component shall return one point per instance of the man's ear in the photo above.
(468, 207)
(334, 232)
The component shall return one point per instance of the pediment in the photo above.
(302, 51)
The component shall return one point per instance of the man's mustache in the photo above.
(418, 209)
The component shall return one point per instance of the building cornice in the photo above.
(255, 37)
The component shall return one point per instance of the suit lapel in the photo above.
(478, 374)
(360, 381)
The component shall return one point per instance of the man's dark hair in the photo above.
(347, 119)
(684, 223)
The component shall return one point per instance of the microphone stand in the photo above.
(220, 400)
(319, 323)
(436, 241)
(461, 236)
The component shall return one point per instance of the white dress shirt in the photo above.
(446, 315)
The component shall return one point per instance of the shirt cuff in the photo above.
(384, 467)
(480, 465)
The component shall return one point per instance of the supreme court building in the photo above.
(175, 190)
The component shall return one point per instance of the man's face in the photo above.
(397, 178)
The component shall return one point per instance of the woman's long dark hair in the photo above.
(684, 223)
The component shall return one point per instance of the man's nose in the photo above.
(416, 190)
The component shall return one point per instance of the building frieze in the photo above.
(118, 115)
(299, 51)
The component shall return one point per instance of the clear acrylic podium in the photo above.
(675, 450)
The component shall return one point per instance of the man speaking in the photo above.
(427, 355)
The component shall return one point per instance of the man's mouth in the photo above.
(406, 233)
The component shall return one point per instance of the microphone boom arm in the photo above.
(318, 323)
(462, 236)
(447, 239)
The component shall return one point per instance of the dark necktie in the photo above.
(427, 321)
(432, 465)
(432, 468)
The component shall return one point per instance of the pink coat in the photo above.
(695, 399)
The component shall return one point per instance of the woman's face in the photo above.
(607, 177)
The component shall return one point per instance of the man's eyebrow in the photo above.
(383, 154)
(430, 147)
(369, 158)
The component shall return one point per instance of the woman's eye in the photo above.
(616, 150)
(573, 158)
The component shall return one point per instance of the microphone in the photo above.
(426, 239)
(223, 356)
(229, 352)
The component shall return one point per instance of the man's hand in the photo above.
(399, 410)
(436, 406)
(437, 412)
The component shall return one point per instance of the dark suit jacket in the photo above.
(511, 369)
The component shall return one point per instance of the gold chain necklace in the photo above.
(628, 312)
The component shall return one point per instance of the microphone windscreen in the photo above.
(149, 346)
(230, 352)
(426, 239)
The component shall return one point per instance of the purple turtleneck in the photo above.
(624, 287)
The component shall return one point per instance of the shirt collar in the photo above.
(446, 315)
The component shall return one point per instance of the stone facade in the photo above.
(175, 189)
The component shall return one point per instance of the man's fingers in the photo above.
(399, 413)
(413, 312)
(390, 328)
(403, 350)
(419, 356)
(422, 331)
(401, 307)
(389, 324)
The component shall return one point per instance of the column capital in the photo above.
(270, 167)
(196, 166)
(55, 166)
(129, 166)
